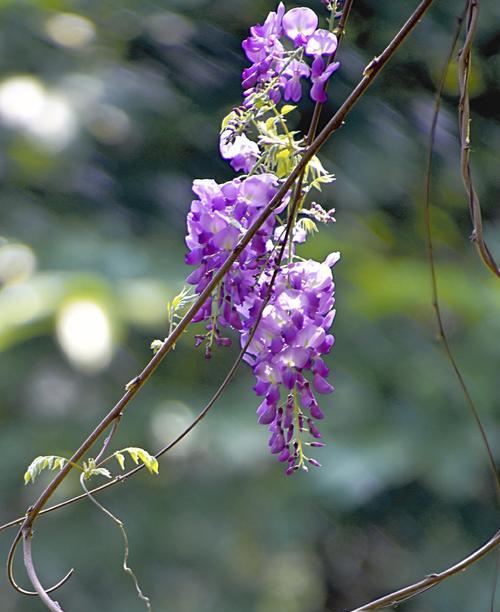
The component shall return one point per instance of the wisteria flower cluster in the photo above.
(280, 69)
(282, 306)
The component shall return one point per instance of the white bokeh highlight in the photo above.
(84, 333)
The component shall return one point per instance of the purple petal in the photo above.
(322, 42)
(322, 385)
(300, 23)
(316, 411)
(227, 238)
(266, 413)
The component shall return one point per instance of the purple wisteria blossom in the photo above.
(288, 343)
(294, 72)
(321, 43)
(285, 324)
(216, 222)
(239, 150)
(276, 68)
(299, 24)
(320, 73)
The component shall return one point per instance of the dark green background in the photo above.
(405, 488)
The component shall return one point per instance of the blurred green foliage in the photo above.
(108, 110)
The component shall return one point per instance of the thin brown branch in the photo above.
(464, 119)
(495, 581)
(339, 32)
(431, 580)
(432, 264)
(369, 75)
(415, 589)
(10, 569)
(107, 441)
(30, 568)
(126, 548)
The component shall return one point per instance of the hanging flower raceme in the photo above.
(281, 305)
(280, 50)
(285, 354)
(217, 220)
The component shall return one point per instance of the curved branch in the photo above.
(126, 568)
(464, 119)
(10, 570)
(28, 562)
(429, 581)
(432, 264)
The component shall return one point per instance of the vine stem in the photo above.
(126, 549)
(443, 337)
(431, 580)
(464, 120)
(30, 568)
(369, 75)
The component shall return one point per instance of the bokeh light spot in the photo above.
(84, 333)
(21, 100)
(70, 30)
(17, 263)
(27, 105)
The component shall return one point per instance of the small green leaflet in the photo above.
(156, 345)
(288, 108)
(47, 462)
(137, 454)
(121, 459)
(308, 225)
(178, 303)
(97, 472)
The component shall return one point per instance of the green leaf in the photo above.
(47, 462)
(121, 459)
(96, 472)
(284, 163)
(156, 345)
(139, 454)
(181, 300)
(225, 122)
(318, 181)
(269, 126)
(288, 108)
(309, 226)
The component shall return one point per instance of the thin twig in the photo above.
(10, 569)
(371, 71)
(495, 581)
(431, 580)
(432, 264)
(107, 441)
(119, 524)
(435, 294)
(464, 119)
(339, 32)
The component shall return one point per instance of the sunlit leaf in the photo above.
(97, 472)
(140, 455)
(287, 108)
(46, 462)
(121, 459)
